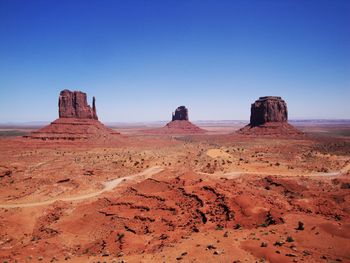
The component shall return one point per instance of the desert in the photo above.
(174, 131)
(136, 196)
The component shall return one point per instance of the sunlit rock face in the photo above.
(268, 109)
(77, 121)
(73, 104)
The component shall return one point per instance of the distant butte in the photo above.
(179, 124)
(269, 116)
(77, 120)
(180, 114)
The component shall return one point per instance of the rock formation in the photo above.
(77, 120)
(178, 125)
(183, 126)
(180, 114)
(268, 109)
(73, 104)
(269, 116)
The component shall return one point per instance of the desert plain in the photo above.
(143, 197)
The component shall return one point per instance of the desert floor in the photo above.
(217, 197)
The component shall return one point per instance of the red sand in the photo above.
(221, 198)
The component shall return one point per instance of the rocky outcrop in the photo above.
(269, 116)
(181, 127)
(73, 104)
(268, 109)
(77, 120)
(180, 114)
(178, 125)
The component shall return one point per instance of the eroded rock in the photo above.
(73, 104)
(269, 116)
(180, 114)
(268, 109)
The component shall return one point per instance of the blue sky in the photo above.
(142, 59)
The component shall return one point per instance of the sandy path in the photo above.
(236, 174)
(108, 186)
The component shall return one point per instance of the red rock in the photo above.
(269, 116)
(270, 129)
(179, 124)
(73, 129)
(183, 126)
(180, 114)
(268, 109)
(73, 104)
(77, 120)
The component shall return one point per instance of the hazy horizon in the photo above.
(162, 122)
(143, 59)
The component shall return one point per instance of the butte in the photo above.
(269, 116)
(179, 124)
(77, 120)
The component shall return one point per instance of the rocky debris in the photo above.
(269, 116)
(77, 120)
(73, 129)
(180, 114)
(274, 129)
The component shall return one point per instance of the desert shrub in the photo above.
(290, 239)
(237, 226)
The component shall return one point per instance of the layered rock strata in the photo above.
(77, 120)
(269, 116)
(179, 124)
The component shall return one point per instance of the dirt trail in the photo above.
(108, 186)
(236, 174)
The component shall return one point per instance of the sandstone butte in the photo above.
(77, 120)
(179, 124)
(269, 116)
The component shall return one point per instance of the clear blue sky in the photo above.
(142, 59)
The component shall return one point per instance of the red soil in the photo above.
(218, 199)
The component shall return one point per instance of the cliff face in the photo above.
(180, 114)
(77, 121)
(268, 109)
(179, 124)
(73, 104)
(269, 116)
